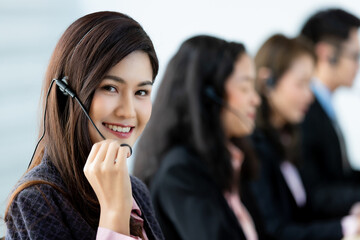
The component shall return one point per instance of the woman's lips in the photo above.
(252, 116)
(119, 130)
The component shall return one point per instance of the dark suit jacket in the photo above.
(187, 202)
(41, 212)
(323, 168)
(282, 218)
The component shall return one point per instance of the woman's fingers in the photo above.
(128, 146)
(111, 154)
(100, 156)
(93, 152)
(106, 153)
(121, 157)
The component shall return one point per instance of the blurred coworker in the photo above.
(285, 67)
(334, 186)
(192, 152)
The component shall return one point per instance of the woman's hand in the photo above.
(107, 173)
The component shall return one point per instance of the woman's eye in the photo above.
(109, 88)
(142, 93)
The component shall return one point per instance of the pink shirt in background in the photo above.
(233, 198)
(242, 215)
(107, 234)
(295, 184)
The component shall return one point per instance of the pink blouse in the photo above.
(233, 197)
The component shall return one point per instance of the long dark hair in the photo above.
(277, 54)
(85, 53)
(184, 115)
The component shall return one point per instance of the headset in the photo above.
(333, 60)
(210, 92)
(67, 91)
(270, 82)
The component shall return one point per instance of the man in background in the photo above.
(334, 186)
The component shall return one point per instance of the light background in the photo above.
(29, 31)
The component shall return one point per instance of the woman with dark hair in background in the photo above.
(192, 151)
(284, 70)
(78, 186)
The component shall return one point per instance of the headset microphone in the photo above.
(66, 90)
(210, 92)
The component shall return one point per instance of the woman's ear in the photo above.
(264, 73)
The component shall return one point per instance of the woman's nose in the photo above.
(126, 108)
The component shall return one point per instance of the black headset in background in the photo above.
(66, 90)
(333, 60)
(210, 92)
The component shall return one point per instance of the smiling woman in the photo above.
(78, 186)
(121, 105)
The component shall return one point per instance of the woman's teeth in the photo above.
(118, 128)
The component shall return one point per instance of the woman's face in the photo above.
(291, 96)
(242, 98)
(121, 105)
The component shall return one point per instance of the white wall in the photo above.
(29, 31)
(169, 23)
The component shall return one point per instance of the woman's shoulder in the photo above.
(41, 185)
(36, 201)
(41, 207)
(178, 156)
(183, 161)
(181, 167)
(43, 212)
(38, 195)
(44, 172)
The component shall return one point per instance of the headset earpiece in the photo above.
(210, 92)
(270, 82)
(64, 87)
(333, 60)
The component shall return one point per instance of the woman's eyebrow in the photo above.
(145, 83)
(117, 79)
(120, 80)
